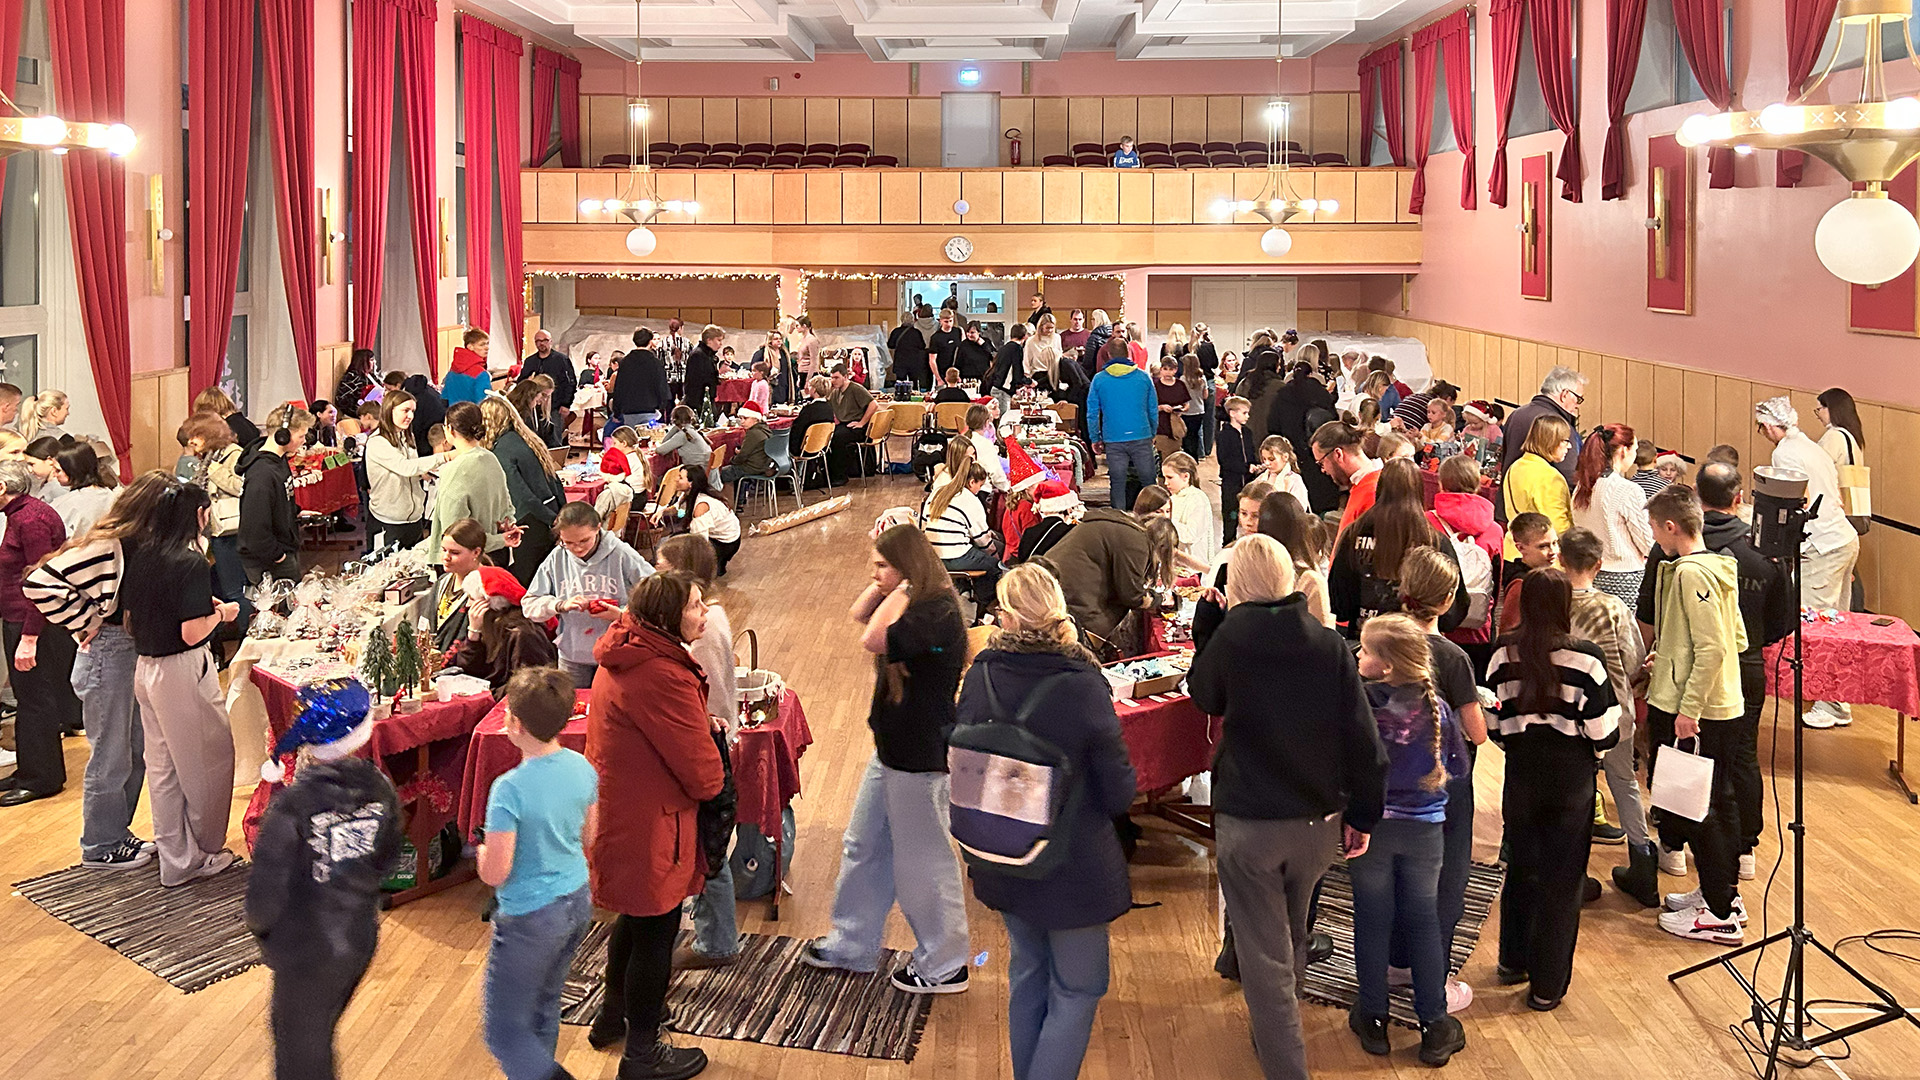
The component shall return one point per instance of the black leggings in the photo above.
(405, 536)
(723, 553)
(639, 966)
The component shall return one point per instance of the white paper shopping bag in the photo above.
(1682, 782)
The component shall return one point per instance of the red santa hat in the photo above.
(1022, 473)
(750, 413)
(494, 582)
(1055, 497)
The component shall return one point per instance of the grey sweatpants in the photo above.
(1268, 870)
(189, 759)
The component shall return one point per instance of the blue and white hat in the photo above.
(333, 721)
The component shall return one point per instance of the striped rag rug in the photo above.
(193, 935)
(1334, 982)
(770, 997)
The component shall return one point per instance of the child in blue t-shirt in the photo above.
(1126, 157)
(1396, 878)
(538, 816)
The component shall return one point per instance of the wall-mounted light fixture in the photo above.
(330, 233)
(157, 234)
(446, 238)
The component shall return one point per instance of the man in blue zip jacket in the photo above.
(1122, 412)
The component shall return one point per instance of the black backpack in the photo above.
(1012, 791)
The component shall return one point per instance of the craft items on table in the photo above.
(1148, 675)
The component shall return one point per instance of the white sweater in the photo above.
(395, 492)
(1193, 522)
(719, 524)
(1617, 514)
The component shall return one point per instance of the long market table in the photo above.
(1855, 661)
(766, 771)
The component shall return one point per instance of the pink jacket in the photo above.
(1468, 514)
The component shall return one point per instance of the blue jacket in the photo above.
(1091, 888)
(1121, 404)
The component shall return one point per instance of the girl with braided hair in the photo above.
(1396, 879)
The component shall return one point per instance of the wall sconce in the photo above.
(1528, 228)
(157, 234)
(330, 233)
(446, 238)
(1658, 224)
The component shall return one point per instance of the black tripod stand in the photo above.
(1787, 1015)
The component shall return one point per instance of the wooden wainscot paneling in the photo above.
(714, 190)
(1376, 195)
(1136, 196)
(753, 198)
(899, 197)
(1021, 198)
(938, 192)
(1172, 196)
(1060, 195)
(790, 198)
(558, 198)
(860, 197)
(982, 191)
(1100, 197)
(823, 197)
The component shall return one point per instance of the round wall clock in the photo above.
(958, 249)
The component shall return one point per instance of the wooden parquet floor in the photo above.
(80, 1011)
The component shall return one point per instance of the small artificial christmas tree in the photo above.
(407, 663)
(377, 663)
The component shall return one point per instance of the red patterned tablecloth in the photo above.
(1168, 740)
(1854, 661)
(334, 490)
(586, 491)
(766, 764)
(734, 390)
(442, 728)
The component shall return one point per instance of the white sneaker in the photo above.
(1674, 862)
(1699, 924)
(1747, 867)
(1687, 901)
(1841, 712)
(1819, 718)
(1459, 996)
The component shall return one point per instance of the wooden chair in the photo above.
(1066, 411)
(814, 448)
(877, 431)
(952, 414)
(718, 459)
(907, 416)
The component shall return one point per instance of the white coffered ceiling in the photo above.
(934, 30)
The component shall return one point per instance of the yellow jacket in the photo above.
(1533, 485)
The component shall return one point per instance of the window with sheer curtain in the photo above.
(1664, 77)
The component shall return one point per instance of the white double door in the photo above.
(1234, 307)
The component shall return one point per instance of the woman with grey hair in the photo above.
(42, 653)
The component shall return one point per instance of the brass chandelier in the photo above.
(640, 201)
(18, 132)
(1278, 202)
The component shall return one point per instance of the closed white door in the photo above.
(970, 131)
(1233, 307)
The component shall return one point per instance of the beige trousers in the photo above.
(189, 752)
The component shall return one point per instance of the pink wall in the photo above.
(1763, 306)
(153, 110)
(1074, 74)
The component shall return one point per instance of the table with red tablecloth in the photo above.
(586, 491)
(766, 764)
(1857, 662)
(324, 491)
(424, 753)
(734, 391)
(1168, 738)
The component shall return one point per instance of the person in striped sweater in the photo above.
(77, 588)
(1557, 714)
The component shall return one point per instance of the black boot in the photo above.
(662, 1062)
(1227, 964)
(609, 1027)
(1440, 1040)
(1592, 892)
(1319, 947)
(1640, 878)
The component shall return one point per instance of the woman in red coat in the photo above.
(649, 739)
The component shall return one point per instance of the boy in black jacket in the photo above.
(269, 519)
(1235, 453)
(326, 842)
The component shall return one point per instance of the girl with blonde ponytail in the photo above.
(43, 414)
(1056, 923)
(1396, 879)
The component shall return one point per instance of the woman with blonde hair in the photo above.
(1042, 353)
(1177, 343)
(215, 400)
(956, 522)
(531, 482)
(42, 415)
(1534, 483)
(1299, 758)
(1056, 923)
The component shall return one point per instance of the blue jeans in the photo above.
(582, 673)
(716, 931)
(1394, 885)
(526, 970)
(1450, 899)
(638, 420)
(1137, 455)
(116, 767)
(897, 849)
(1055, 981)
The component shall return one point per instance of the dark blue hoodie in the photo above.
(1091, 887)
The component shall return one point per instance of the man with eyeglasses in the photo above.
(1561, 394)
(1337, 451)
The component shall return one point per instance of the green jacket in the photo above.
(1696, 667)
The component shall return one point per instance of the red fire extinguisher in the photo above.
(1013, 151)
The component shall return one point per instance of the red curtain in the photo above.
(1426, 58)
(1508, 17)
(476, 50)
(507, 52)
(1553, 30)
(1384, 64)
(89, 39)
(1626, 19)
(413, 33)
(1703, 36)
(373, 35)
(13, 22)
(286, 40)
(382, 28)
(1458, 41)
(556, 76)
(566, 84)
(219, 126)
(1807, 22)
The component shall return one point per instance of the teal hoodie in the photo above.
(1121, 404)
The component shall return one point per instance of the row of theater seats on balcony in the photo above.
(760, 155)
(1193, 155)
